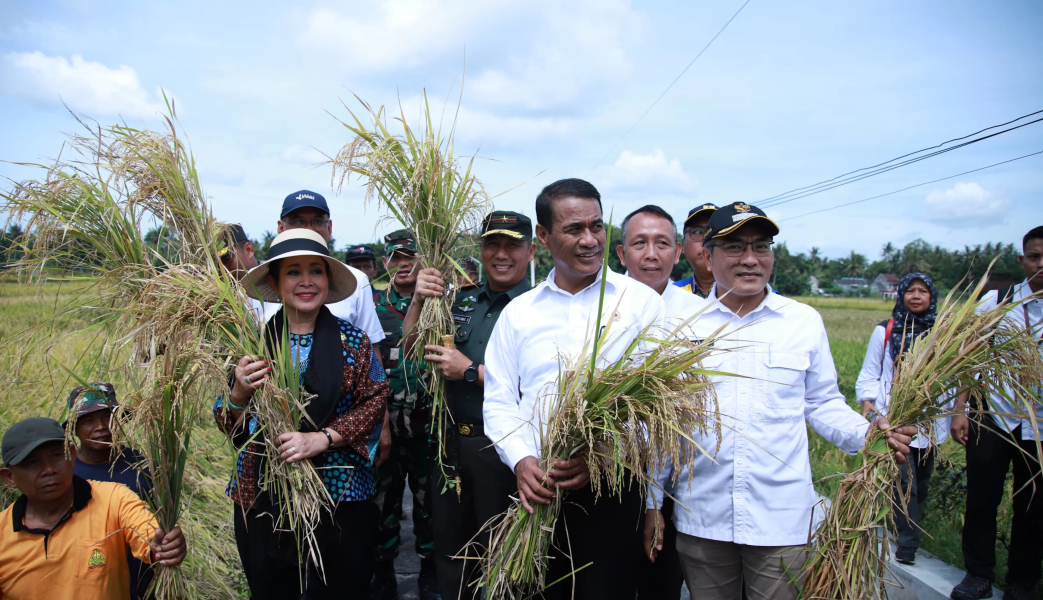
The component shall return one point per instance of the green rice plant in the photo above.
(425, 186)
(848, 556)
(629, 418)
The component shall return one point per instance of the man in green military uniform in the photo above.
(409, 419)
(477, 485)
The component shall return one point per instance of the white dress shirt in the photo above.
(875, 385)
(357, 309)
(1028, 316)
(759, 491)
(680, 305)
(533, 337)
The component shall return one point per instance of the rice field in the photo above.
(36, 385)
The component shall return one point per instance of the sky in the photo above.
(790, 94)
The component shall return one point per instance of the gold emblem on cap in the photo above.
(742, 207)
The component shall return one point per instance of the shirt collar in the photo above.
(771, 302)
(519, 288)
(1021, 291)
(610, 282)
(81, 495)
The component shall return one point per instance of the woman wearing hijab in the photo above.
(913, 316)
(337, 365)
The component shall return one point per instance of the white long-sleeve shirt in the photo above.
(1028, 316)
(534, 336)
(874, 384)
(680, 305)
(759, 491)
(357, 309)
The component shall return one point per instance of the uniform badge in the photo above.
(465, 308)
(96, 560)
(462, 319)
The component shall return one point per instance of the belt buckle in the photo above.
(465, 429)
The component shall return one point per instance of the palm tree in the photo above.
(856, 265)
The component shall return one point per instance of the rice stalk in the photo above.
(419, 179)
(849, 553)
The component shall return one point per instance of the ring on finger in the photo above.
(293, 450)
(246, 378)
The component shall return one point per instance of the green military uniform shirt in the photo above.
(406, 391)
(475, 313)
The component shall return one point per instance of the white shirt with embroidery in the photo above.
(534, 335)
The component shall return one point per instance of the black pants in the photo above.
(347, 558)
(604, 533)
(990, 453)
(920, 467)
(663, 578)
(486, 488)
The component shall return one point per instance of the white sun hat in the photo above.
(300, 242)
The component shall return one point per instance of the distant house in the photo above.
(885, 282)
(851, 284)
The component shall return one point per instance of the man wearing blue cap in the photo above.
(694, 231)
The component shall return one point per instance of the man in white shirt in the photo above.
(535, 332)
(749, 511)
(648, 250)
(991, 453)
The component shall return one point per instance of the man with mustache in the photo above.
(749, 509)
(536, 331)
(66, 537)
(473, 486)
(649, 250)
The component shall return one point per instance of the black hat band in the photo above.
(297, 245)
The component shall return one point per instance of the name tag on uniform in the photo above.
(462, 319)
(394, 353)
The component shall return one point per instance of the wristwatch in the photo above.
(471, 373)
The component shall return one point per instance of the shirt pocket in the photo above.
(97, 560)
(463, 333)
(783, 384)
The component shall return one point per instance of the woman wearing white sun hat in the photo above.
(337, 364)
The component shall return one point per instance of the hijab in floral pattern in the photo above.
(909, 325)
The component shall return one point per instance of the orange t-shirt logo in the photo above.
(97, 559)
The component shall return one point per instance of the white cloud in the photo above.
(86, 86)
(649, 174)
(521, 55)
(302, 155)
(965, 205)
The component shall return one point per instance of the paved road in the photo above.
(407, 565)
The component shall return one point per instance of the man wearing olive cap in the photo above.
(409, 425)
(750, 507)
(477, 485)
(65, 537)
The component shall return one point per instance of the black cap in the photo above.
(27, 435)
(303, 199)
(727, 219)
(509, 223)
(698, 210)
(401, 239)
(357, 252)
(236, 233)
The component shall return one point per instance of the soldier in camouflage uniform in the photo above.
(409, 412)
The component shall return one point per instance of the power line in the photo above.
(857, 175)
(676, 79)
(910, 187)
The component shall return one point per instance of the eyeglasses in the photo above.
(303, 223)
(695, 233)
(737, 249)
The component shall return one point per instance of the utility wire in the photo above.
(910, 187)
(676, 79)
(884, 167)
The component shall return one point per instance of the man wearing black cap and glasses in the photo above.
(694, 230)
(365, 260)
(66, 537)
(749, 508)
(477, 485)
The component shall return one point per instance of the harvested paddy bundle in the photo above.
(171, 317)
(629, 417)
(849, 553)
(418, 177)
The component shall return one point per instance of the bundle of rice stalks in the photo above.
(426, 188)
(170, 315)
(629, 418)
(848, 555)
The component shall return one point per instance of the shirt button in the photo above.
(481, 341)
(742, 391)
(488, 315)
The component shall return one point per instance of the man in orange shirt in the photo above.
(67, 537)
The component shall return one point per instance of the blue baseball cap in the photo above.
(303, 199)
